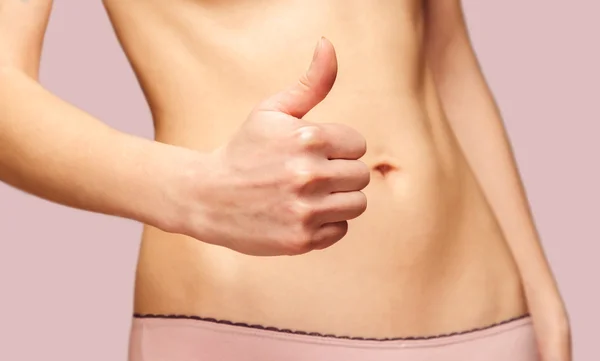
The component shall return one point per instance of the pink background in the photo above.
(67, 276)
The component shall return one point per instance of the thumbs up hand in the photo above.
(283, 185)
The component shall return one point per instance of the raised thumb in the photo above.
(311, 88)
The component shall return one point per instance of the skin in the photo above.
(269, 182)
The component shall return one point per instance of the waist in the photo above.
(441, 256)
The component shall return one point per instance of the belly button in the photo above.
(384, 168)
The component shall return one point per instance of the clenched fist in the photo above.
(283, 185)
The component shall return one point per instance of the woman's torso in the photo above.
(427, 256)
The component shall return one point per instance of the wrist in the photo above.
(184, 189)
(151, 181)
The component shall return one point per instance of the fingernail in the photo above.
(319, 45)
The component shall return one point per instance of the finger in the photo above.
(347, 175)
(344, 142)
(337, 175)
(341, 206)
(311, 88)
(332, 141)
(329, 234)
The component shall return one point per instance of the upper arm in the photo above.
(22, 27)
(446, 29)
(457, 73)
(447, 43)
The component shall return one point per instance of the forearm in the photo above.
(476, 121)
(53, 150)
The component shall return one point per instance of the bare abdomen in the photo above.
(427, 242)
(426, 257)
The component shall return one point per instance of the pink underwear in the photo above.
(178, 338)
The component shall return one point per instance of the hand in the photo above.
(553, 335)
(551, 323)
(283, 185)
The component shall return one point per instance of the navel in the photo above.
(384, 168)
